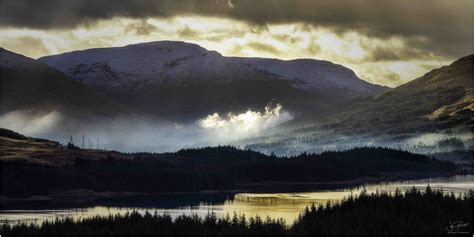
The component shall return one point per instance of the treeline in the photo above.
(218, 168)
(428, 213)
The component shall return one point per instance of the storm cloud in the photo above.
(441, 26)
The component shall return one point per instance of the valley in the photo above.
(236, 118)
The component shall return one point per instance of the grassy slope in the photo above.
(410, 107)
(17, 148)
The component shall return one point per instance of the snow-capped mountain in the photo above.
(125, 68)
(184, 81)
(313, 75)
(30, 89)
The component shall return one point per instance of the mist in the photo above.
(239, 126)
(33, 124)
(134, 134)
(249, 130)
(294, 143)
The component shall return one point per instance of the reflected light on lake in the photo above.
(275, 205)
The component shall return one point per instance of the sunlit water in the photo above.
(275, 205)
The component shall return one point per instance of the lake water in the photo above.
(276, 205)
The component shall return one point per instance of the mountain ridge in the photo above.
(446, 76)
(138, 74)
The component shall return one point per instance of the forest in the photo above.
(428, 213)
(191, 170)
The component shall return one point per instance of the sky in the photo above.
(387, 42)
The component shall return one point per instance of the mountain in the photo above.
(441, 102)
(29, 84)
(33, 94)
(184, 81)
(313, 75)
(457, 78)
(440, 99)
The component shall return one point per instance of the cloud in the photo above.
(446, 26)
(396, 50)
(395, 73)
(382, 53)
(71, 13)
(229, 2)
(30, 123)
(387, 61)
(186, 32)
(26, 45)
(263, 47)
(140, 28)
(135, 134)
(243, 125)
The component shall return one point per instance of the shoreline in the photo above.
(84, 196)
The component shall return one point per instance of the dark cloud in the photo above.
(140, 28)
(259, 28)
(69, 13)
(392, 77)
(385, 77)
(263, 47)
(447, 26)
(314, 48)
(187, 33)
(287, 38)
(388, 53)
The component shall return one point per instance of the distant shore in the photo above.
(85, 196)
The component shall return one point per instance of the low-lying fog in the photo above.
(134, 134)
(245, 130)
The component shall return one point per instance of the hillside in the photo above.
(32, 167)
(38, 100)
(184, 81)
(27, 84)
(441, 101)
(18, 148)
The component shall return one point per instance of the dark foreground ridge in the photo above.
(40, 167)
(428, 213)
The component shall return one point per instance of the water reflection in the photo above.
(276, 205)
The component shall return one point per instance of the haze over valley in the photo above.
(236, 118)
(164, 96)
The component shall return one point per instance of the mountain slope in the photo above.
(457, 77)
(34, 95)
(29, 84)
(458, 74)
(440, 99)
(440, 102)
(185, 81)
(313, 75)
